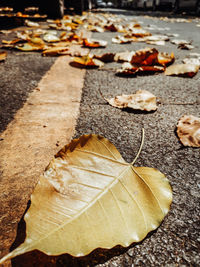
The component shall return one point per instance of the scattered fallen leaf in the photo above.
(93, 43)
(87, 61)
(185, 70)
(137, 32)
(150, 69)
(185, 46)
(111, 28)
(89, 197)
(147, 56)
(95, 28)
(192, 61)
(106, 57)
(3, 56)
(165, 59)
(121, 40)
(131, 70)
(159, 42)
(157, 37)
(188, 130)
(27, 47)
(31, 23)
(55, 51)
(11, 42)
(124, 56)
(141, 100)
(51, 37)
(180, 42)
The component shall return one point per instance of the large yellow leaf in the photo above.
(89, 197)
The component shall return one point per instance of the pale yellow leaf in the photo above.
(141, 100)
(187, 70)
(124, 56)
(54, 51)
(89, 197)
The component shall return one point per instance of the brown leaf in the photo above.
(188, 130)
(111, 28)
(141, 100)
(185, 70)
(147, 56)
(127, 70)
(185, 46)
(106, 57)
(3, 56)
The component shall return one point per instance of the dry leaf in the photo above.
(11, 42)
(111, 28)
(95, 28)
(87, 61)
(147, 56)
(188, 130)
(124, 56)
(157, 38)
(127, 70)
(106, 57)
(92, 43)
(27, 47)
(160, 42)
(54, 51)
(121, 40)
(192, 61)
(31, 23)
(186, 70)
(51, 37)
(89, 197)
(165, 59)
(3, 56)
(185, 46)
(141, 100)
(151, 69)
(180, 42)
(137, 32)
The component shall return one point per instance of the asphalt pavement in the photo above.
(176, 241)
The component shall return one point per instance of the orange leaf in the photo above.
(147, 56)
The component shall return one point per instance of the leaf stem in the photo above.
(141, 145)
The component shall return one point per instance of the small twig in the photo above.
(102, 95)
(141, 145)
